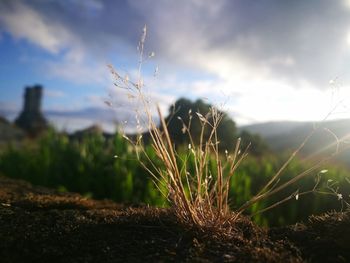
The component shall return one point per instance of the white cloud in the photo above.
(253, 94)
(79, 72)
(25, 23)
(267, 61)
(297, 46)
(348, 38)
(54, 93)
(346, 3)
(276, 70)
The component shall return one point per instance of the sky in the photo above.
(260, 61)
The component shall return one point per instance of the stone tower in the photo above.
(31, 118)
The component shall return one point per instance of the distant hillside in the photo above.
(267, 129)
(282, 136)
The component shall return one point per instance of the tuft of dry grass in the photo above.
(200, 198)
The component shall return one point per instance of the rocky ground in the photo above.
(42, 225)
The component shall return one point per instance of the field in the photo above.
(98, 167)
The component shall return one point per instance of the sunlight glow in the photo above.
(347, 3)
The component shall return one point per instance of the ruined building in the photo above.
(31, 118)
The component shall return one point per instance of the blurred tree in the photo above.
(185, 112)
(257, 145)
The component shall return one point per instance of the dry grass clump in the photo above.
(199, 197)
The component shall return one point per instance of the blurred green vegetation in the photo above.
(108, 168)
(92, 166)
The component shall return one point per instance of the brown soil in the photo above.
(42, 225)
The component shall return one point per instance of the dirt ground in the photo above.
(41, 225)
